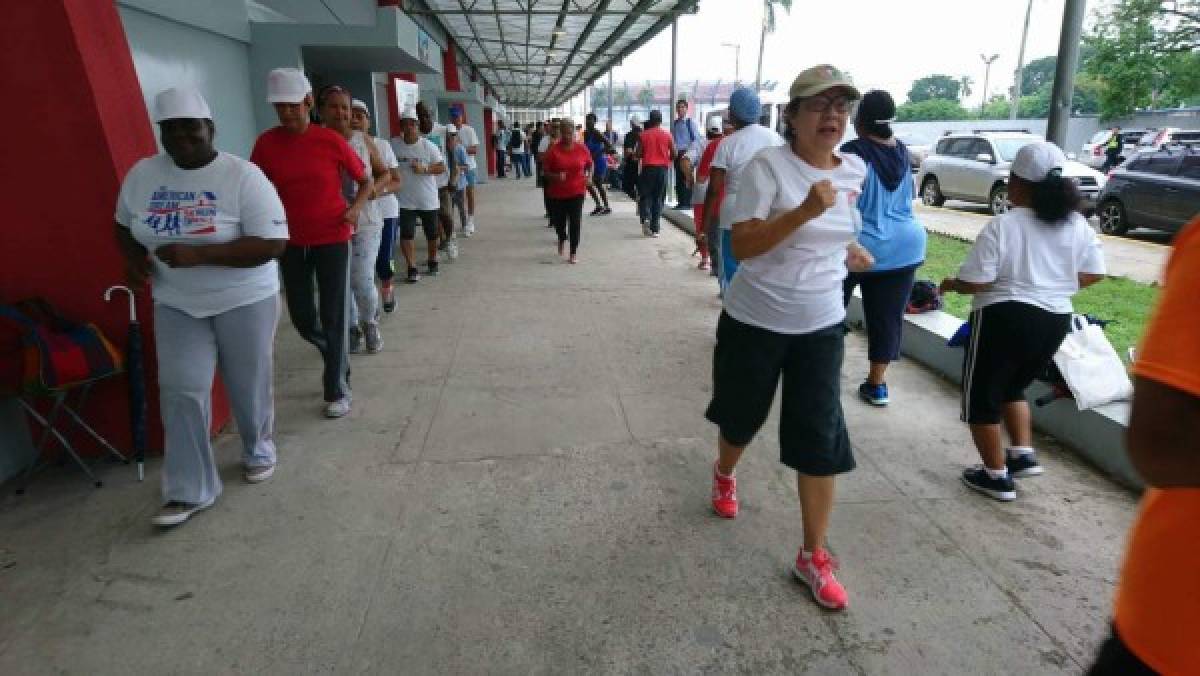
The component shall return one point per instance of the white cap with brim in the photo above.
(180, 103)
(410, 113)
(714, 123)
(361, 105)
(287, 85)
(1035, 161)
(635, 119)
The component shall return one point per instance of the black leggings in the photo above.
(564, 213)
(884, 296)
(316, 280)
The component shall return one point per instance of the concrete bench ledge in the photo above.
(1097, 435)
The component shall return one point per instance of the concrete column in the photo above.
(1064, 74)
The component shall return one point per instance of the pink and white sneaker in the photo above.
(816, 571)
(724, 495)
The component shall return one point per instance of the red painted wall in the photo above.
(81, 124)
(489, 146)
(450, 68)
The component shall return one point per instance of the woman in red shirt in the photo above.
(306, 162)
(656, 150)
(567, 166)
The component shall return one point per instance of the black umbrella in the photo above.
(136, 372)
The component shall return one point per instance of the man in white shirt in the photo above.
(436, 134)
(470, 141)
(421, 162)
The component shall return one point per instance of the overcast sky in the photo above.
(882, 43)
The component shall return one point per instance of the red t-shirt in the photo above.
(656, 147)
(307, 172)
(574, 161)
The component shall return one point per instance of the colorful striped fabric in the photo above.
(54, 353)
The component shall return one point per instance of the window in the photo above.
(1186, 137)
(1162, 164)
(959, 147)
(1137, 164)
(1191, 166)
(943, 146)
(980, 147)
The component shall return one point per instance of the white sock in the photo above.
(1001, 473)
(1018, 451)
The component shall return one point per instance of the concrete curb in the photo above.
(1097, 435)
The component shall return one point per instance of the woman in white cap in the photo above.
(389, 208)
(206, 228)
(421, 162)
(306, 162)
(731, 158)
(1023, 270)
(336, 111)
(793, 222)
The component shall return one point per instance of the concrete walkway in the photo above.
(1140, 256)
(523, 487)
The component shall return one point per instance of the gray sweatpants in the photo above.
(241, 344)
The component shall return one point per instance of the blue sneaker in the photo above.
(1001, 489)
(875, 395)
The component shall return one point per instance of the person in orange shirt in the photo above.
(1157, 614)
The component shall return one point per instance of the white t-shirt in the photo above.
(694, 152)
(436, 136)
(797, 286)
(227, 199)
(1031, 261)
(735, 153)
(388, 206)
(419, 191)
(468, 137)
(544, 144)
(371, 215)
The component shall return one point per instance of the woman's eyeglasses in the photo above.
(823, 104)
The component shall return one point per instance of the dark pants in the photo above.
(316, 282)
(501, 158)
(385, 267)
(1111, 159)
(653, 188)
(884, 296)
(520, 162)
(629, 177)
(567, 216)
(683, 194)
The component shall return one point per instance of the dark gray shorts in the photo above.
(747, 365)
(408, 224)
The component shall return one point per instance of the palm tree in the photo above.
(621, 98)
(600, 96)
(646, 97)
(768, 26)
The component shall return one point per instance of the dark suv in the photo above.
(1159, 190)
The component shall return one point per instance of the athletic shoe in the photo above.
(875, 395)
(1024, 466)
(356, 340)
(444, 243)
(174, 512)
(452, 250)
(724, 494)
(645, 229)
(597, 211)
(374, 339)
(816, 571)
(654, 234)
(388, 293)
(414, 276)
(1001, 489)
(432, 267)
(466, 233)
(257, 475)
(339, 408)
(607, 211)
(573, 260)
(703, 264)
(470, 229)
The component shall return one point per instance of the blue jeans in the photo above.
(520, 163)
(652, 184)
(384, 265)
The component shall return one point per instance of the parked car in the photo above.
(1094, 155)
(1159, 190)
(1157, 138)
(975, 167)
(918, 147)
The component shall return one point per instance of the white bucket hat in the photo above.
(1035, 161)
(180, 103)
(361, 105)
(287, 85)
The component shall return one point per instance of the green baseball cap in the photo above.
(821, 78)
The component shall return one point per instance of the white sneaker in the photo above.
(470, 229)
(452, 249)
(645, 229)
(174, 513)
(257, 475)
(373, 339)
(339, 408)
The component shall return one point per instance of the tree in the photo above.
(768, 26)
(934, 87)
(600, 97)
(931, 109)
(621, 98)
(646, 96)
(965, 84)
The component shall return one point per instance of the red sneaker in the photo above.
(816, 571)
(724, 494)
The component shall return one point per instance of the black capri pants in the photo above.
(884, 297)
(566, 215)
(1011, 343)
(748, 362)
(408, 224)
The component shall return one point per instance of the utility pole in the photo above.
(1064, 73)
(1020, 74)
(987, 74)
(674, 57)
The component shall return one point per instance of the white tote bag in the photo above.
(1090, 366)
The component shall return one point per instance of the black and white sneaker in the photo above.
(432, 267)
(414, 276)
(597, 211)
(1024, 466)
(1000, 489)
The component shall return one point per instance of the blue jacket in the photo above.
(890, 230)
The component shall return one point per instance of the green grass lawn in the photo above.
(1126, 302)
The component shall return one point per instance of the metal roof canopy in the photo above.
(540, 53)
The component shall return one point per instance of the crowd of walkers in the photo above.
(792, 226)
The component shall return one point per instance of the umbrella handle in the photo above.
(132, 300)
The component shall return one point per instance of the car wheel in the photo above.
(998, 200)
(931, 193)
(1112, 218)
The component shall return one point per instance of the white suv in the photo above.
(975, 168)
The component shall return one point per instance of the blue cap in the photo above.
(744, 105)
